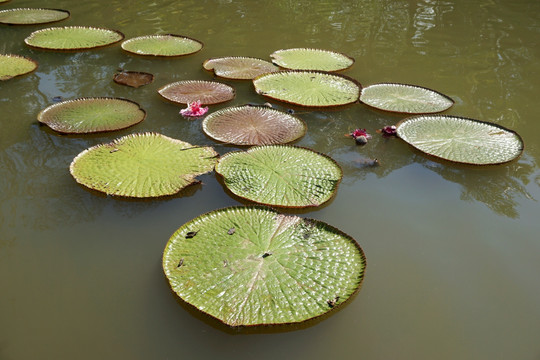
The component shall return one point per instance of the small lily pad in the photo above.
(311, 59)
(249, 266)
(73, 38)
(133, 78)
(253, 125)
(280, 175)
(162, 45)
(460, 139)
(89, 115)
(15, 65)
(405, 98)
(29, 16)
(142, 165)
(237, 67)
(308, 88)
(189, 91)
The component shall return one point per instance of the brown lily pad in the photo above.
(133, 78)
(188, 91)
(253, 125)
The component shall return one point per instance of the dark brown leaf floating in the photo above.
(133, 78)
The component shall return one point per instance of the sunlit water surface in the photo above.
(453, 252)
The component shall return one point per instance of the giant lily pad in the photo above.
(14, 65)
(250, 266)
(142, 165)
(188, 91)
(308, 88)
(405, 98)
(88, 115)
(311, 59)
(73, 38)
(280, 175)
(162, 45)
(253, 125)
(461, 139)
(27, 16)
(237, 67)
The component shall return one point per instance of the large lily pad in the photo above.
(461, 139)
(308, 88)
(188, 91)
(14, 65)
(280, 175)
(405, 98)
(238, 67)
(162, 45)
(73, 38)
(311, 59)
(253, 125)
(89, 115)
(142, 165)
(28, 16)
(250, 266)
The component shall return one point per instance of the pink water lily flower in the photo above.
(360, 132)
(389, 130)
(194, 109)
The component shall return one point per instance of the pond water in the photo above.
(453, 252)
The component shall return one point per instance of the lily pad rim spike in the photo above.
(333, 229)
(329, 73)
(252, 148)
(67, 12)
(209, 117)
(475, 165)
(408, 85)
(143, 37)
(315, 49)
(58, 104)
(75, 49)
(29, 60)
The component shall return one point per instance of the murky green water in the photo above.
(453, 252)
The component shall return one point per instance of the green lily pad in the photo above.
(73, 38)
(29, 16)
(308, 88)
(14, 65)
(249, 266)
(253, 125)
(405, 98)
(311, 59)
(162, 45)
(280, 175)
(142, 165)
(240, 68)
(188, 91)
(460, 139)
(89, 115)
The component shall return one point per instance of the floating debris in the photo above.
(367, 162)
